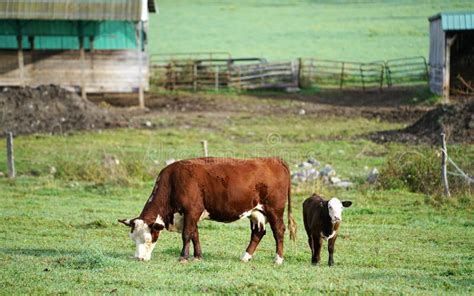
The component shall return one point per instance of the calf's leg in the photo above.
(317, 243)
(331, 244)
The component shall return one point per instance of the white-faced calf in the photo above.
(322, 219)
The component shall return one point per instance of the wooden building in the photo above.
(451, 53)
(88, 45)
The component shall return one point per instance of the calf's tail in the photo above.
(291, 221)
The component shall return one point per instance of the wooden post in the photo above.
(141, 94)
(362, 77)
(31, 40)
(342, 76)
(83, 67)
(447, 68)
(10, 156)
(21, 61)
(194, 75)
(381, 77)
(216, 78)
(204, 148)
(444, 173)
(300, 72)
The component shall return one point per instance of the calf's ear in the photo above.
(157, 227)
(346, 203)
(125, 221)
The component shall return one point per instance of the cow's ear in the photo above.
(125, 222)
(346, 203)
(157, 227)
(321, 203)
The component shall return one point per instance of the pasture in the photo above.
(285, 29)
(59, 231)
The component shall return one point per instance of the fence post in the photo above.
(216, 78)
(194, 76)
(444, 173)
(427, 75)
(10, 156)
(204, 148)
(362, 77)
(381, 76)
(300, 72)
(342, 76)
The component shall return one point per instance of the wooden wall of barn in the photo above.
(437, 56)
(104, 71)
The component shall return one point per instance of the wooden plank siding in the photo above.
(104, 71)
(437, 56)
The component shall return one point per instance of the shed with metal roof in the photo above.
(91, 45)
(452, 53)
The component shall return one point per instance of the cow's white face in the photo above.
(335, 207)
(141, 235)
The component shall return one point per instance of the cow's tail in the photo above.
(291, 221)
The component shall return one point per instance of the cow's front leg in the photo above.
(278, 228)
(189, 228)
(197, 245)
(317, 243)
(331, 244)
(255, 238)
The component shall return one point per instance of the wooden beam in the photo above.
(141, 94)
(10, 156)
(21, 60)
(83, 67)
(447, 68)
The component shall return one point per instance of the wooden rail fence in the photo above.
(219, 70)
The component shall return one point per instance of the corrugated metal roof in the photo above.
(455, 20)
(129, 10)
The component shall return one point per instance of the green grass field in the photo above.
(282, 30)
(59, 235)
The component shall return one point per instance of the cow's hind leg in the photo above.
(255, 238)
(197, 245)
(278, 227)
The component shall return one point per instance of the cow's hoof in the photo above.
(197, 259)
(245, 257)
(183, 260)
(278, 260)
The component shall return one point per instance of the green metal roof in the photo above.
(129, 10)
(453, 21)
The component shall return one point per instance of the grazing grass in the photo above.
(287, 29)
(59, 235)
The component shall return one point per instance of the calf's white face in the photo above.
(335, 207)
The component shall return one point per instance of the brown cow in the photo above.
(322, 219)
(220, 189)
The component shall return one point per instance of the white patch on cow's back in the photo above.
(245, 257)
(278, 259)
(141, 235)
(335, 209)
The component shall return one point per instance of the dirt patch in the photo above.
(456, 120)
(51, 109)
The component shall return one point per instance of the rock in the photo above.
(2, 175)
(170, 161)
(156, 162)
(52, 170)
(327, 171)
(373, 174)
(305, 165)
(313, 161)
(110, 160)
(302, 112)
(344, 184)
(148, 124)
(334, 180)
